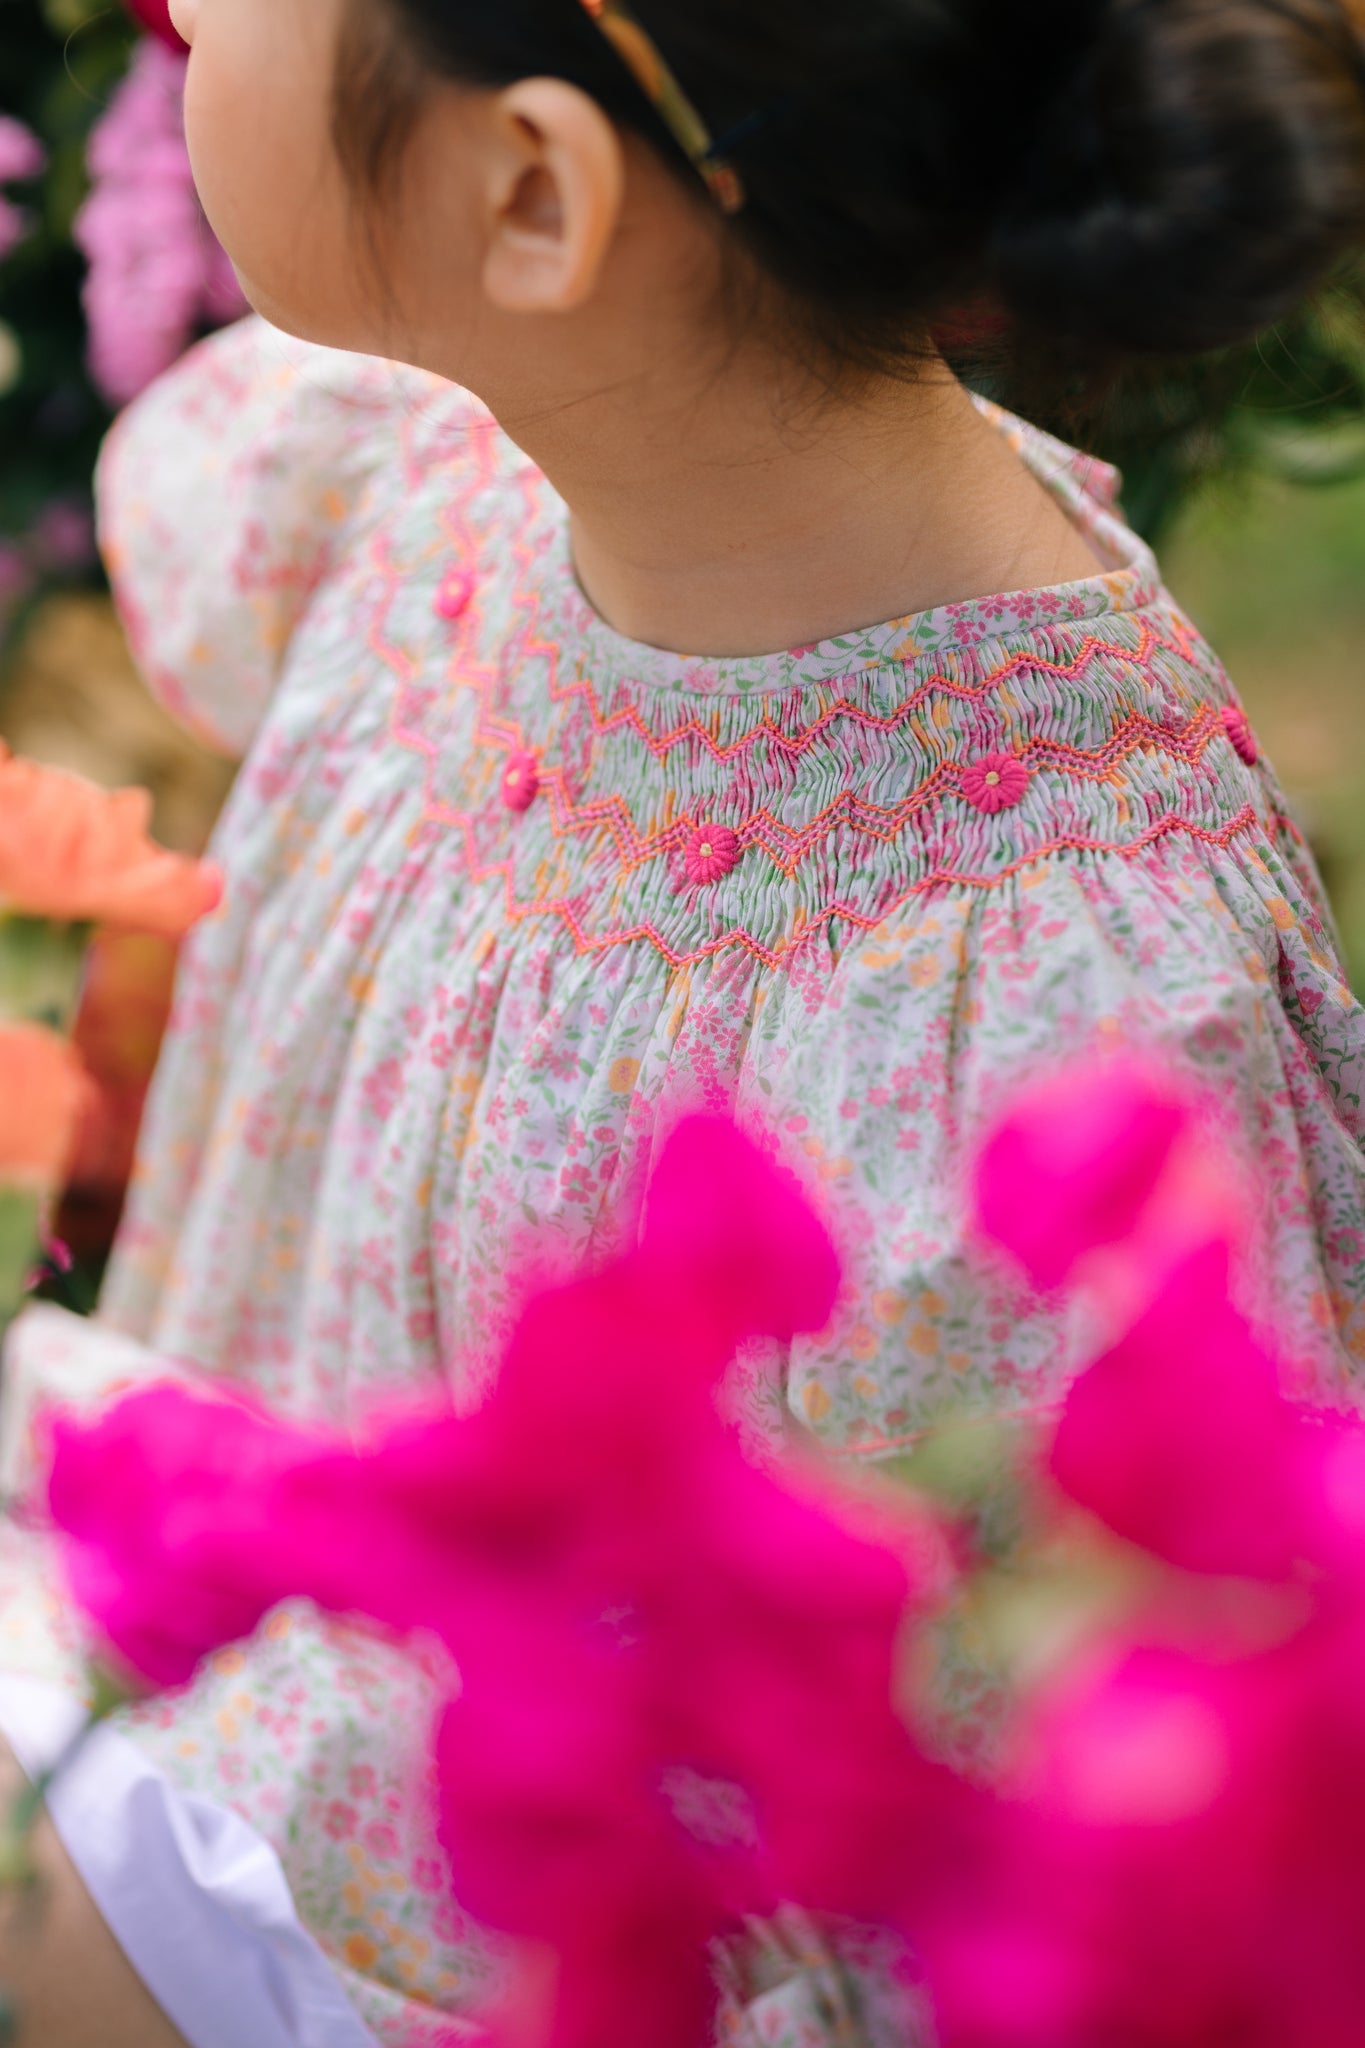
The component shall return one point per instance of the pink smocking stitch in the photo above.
(691, 731)
(453, 593)
(520, 781)
(710, 853)
(785, 846)
(995, 782)
(1239, 732)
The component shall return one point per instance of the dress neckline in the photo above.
(1085, 488)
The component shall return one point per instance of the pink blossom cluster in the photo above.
(1179, 1858)
(679, 1672)
(156, 274)
(22, 157)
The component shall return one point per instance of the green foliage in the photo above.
(59, 64)
(1290, 404)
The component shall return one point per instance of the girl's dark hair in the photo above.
(1123, 176)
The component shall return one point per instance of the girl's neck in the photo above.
(725, 518)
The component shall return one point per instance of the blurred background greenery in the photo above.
(1273, 571)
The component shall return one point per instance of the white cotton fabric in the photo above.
(193, 1895)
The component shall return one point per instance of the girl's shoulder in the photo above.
(228, 488)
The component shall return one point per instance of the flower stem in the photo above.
(20, 1229)
(41, 963)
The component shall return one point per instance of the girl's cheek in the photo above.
(184, 15)
(257, 119)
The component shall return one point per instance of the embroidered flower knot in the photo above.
(710, 853)
(1238, 728)
(520, 781)
(453, 593)
(995, 782)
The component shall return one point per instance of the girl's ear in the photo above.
(557, 179)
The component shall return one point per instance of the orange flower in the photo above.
(71, 850)
(43, 1091)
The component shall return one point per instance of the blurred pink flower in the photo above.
(1072, 1166)
(1182, 1859)
(1182, 1863)
(1178, 1436)
(166, 1504)
(1181, 1440)
(22, 156)
(156, 274)
(677, 1673)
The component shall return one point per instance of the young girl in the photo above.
(537, 841)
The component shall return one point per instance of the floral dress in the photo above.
(507, 893)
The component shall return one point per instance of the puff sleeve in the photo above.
(224, 494)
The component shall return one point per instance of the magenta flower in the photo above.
(995, 782)
(1075, 1162)
(1181, 1860)
(1181, 1863)
(166, 1502)
(1181, 1440)
(677, 1697)
(1179, 1436)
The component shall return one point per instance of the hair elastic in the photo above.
(640, 54)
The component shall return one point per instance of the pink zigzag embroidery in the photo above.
(878, 821)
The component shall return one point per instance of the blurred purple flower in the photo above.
(14, 225)
(63, 536)
(21, 154)
(156, 273)
(21, 157)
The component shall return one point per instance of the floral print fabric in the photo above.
(506, 893)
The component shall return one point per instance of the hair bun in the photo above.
(1203, 172)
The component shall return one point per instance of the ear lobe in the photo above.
(557, 200)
